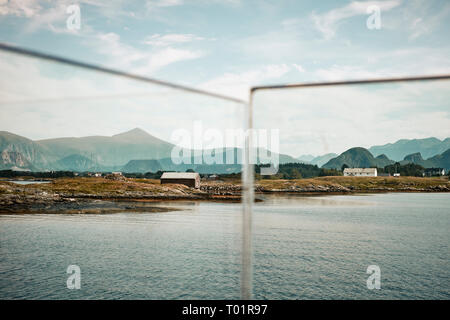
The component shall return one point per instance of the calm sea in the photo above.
(304, 248)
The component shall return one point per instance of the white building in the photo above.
(360, 172)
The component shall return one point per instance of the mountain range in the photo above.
(319, 160)
(363, 158)
(131, 151)
(397, 151)
(139, 151)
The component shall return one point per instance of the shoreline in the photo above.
(100, 196)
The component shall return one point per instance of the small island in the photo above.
(85, 195)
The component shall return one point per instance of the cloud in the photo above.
(238, 84)
(171, 38)
(41, 14)
(427, 22)
(49, 18)
(403, 63)
(335, 118)
(298, 67)
(130, 58)
(338, 72)
(153, 5)
(20, 8)
(328, 23)
(41, 100)
(167, 56)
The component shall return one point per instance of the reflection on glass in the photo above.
(116, 136)
(341, 201)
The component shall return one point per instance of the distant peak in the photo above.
(136, 132)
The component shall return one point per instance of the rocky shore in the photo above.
(99, 195)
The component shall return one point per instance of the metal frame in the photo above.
(350, 82)
(248, 172)
(53, 58)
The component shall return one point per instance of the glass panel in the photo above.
(108, 213)
(326, 224)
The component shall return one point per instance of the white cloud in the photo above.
(167, 56)
(171, 38)
(20, 8)
(49, 18)
(427, 22)
(333, 119)
(130, 58)
(298, 67)
(41, 100)
(238, 84)
(328, 22)
(152, 4)
(53, 15)
(338, 72)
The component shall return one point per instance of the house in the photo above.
(396, 174)
(360, 172)
(190, 179)
(433, 172)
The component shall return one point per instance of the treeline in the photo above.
(409, 170)
(296, 171)
(285, 171)
(43, 175)
(147, 175)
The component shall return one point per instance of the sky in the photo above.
(223, 46)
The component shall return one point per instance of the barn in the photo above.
(190, 179)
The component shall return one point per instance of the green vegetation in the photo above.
(297, 171)
(357, 184)
(45, 175)
(407, 170)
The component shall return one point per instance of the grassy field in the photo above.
(82, 195)
(101, 186)
(136, 187)
(361, 183)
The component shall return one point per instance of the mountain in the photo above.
(13, 160)
(438, 161)
(321, 160)
(428, 147)
(131, 151)
(441, 161)
(117, 150)
(76, 162)
(357, 158)
(382, 161)
(26, 152)
(142, 166)
(415, 158)
(305, 158)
